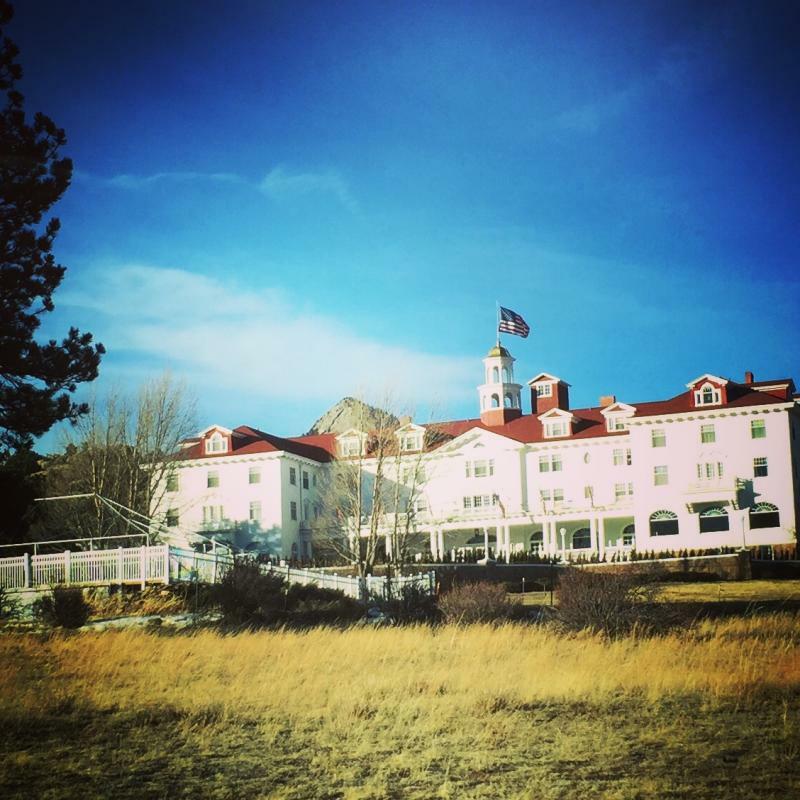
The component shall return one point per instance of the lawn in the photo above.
(515, 711)
(766, 591)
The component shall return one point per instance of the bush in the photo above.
(9, 606)
(246, 596)
(411, 603)
(477, 602)
(609, 602)
(311, 605)
(64, 606)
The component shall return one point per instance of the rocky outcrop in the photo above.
(351, 413)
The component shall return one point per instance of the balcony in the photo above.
(722, 489)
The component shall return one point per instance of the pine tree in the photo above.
(36, 379)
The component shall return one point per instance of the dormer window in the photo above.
(351, 443)
(556, 428)
(707, 395)
(544, 389)
(410, 441)
(216, 443)
(617, 416)
(350, 446)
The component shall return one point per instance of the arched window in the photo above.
(216, 443)
(764, 515)
(714, 519)
(506, 379)
(495, 375)
(537, 542)
(663, 523)
(581, 539)
(629, 535)
(495, 401)
(508, 401)
(707, 395)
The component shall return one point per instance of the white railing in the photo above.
(164, 563)
(87, 568)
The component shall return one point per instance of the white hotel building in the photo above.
(714, 466)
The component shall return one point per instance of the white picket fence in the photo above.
(165, 564)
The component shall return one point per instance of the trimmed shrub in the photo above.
(613, 603)
(246, 596)
(477, 602)
(64, 606)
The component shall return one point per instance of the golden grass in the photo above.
(370, 712)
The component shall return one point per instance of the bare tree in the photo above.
(122, 450)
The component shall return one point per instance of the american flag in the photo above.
(511, 322)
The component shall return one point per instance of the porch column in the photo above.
(388, 541)
(547, 537)
(486, 543)
(508, 544)
(433, 543)
(601, 536)
(440, 543)
(593, 533)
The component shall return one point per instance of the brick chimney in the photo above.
(748, 377)
(607, 400)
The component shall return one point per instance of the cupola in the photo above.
(499, 394)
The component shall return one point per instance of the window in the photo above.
(713, 520)
(553, 429)
(558, 495)
(314, 479)
(664, 523)
(216, 443)
(707, 395)
(173, 483)
(495, 375)
(254, 475)
(506, 375)
(615, 423)
(495, 401)
(172, 517)
(758, 429)
(659, 437)
(660, 476)
(622, 457)
(212, 514)
(544, 389)
(707, 434)
(350, 446)
(622, 490)
(293, 510)
(588, 492)
(255, 511)
(545, 495)
(629, 536)
(537, 542)
(764, 515)
(709, 471)
(410, 441)
(760, 468)
(293, 476)
(305, 479)
(581, 539)
(479, 469)
(212, 479)
(467, 502)
(508, 401)
(548, 463)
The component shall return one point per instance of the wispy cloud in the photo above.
(280, 184)
(257, 342)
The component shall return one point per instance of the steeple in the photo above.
(499, 395)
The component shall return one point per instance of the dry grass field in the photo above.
(513, 711)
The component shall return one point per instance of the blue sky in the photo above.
(290, 202)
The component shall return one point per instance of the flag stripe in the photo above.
(511, 322)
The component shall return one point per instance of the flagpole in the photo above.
(497, 321)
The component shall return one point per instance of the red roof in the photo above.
(247, 440)
(589, 423)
